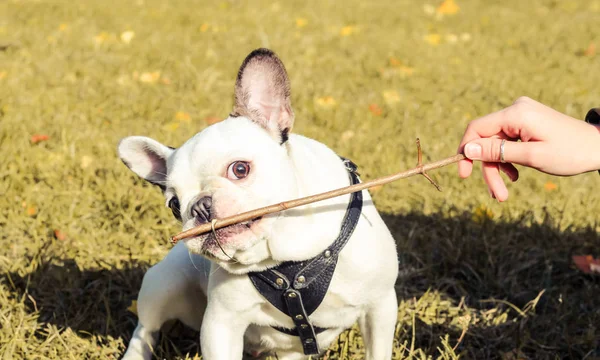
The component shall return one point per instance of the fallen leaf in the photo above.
(63, 27)
(433, 39)
(127, 36)
(550, 186)
(348, 30)
(204, 27)
(447, 7)
(375, 109)
(451, 38)
(326, 101)
(150, 77)
(101, 38)
(31, 210)
(347, 135)
(391, 96)
(133, 307)
(429, 9)
(212, 120)
(587, 263)
(3, 74)
(590, 50)
(39, 138)
(183, 116)
(60, 235)
(301, 22)
(86, 161)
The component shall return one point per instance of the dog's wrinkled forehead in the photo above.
(211, 150)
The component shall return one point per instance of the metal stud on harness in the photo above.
(298, 288)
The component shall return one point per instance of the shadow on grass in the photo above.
(93, 303)
(492, 264)
(469, 261)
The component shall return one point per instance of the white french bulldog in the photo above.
(247, 161)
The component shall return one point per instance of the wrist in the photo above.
(593, 118)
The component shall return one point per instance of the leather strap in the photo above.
(298, 288)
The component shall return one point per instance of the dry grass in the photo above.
(496, 276)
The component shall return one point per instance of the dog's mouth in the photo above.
(216, 243)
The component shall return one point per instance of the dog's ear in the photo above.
(146, 157)
(262, 93)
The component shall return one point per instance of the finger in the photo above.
(490, 150)
(465, 168)
(486, 126)
(491, 175)
(510, 170)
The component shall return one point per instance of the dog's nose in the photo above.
(201, 209)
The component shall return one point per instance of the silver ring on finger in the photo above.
(502, 150)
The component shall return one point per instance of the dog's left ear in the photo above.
(262, 93)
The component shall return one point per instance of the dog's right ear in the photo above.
(146, 157)
(262, 93)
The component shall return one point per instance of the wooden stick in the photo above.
(253, 214)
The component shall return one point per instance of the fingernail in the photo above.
(473, 151)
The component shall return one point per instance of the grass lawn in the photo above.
(478, 279)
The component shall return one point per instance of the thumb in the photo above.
(489, 150)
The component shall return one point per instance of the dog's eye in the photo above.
(238, 170)
(174, 205)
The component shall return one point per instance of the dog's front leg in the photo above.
(377, 327)
(222, 334)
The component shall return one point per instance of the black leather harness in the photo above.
(297, 288)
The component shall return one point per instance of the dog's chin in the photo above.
(233, 246)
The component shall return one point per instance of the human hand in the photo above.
(550, 142)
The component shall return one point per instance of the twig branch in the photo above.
(253, 214)
(420, 165)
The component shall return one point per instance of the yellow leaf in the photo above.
(550, 186)
(63, 27)
(127, 36)
(433, 39)
(429, 9)
(150, 77)
(172, 126)
(465, 37)
(204, 27)
(482, 214)
(31, 210)
(301, 22)
(451, 38)
(133, 307)
(348, 30)
(347, 135)
(447, 7)
(101, 38)
(326, 101)
(86, 161)
(391, 96)
(183, 116)
(3, 74)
